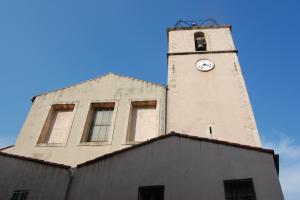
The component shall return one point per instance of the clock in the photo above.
(204, 65)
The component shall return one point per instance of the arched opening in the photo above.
(200, 43)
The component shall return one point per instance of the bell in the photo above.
(200, 45)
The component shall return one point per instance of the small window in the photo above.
(200, 42)
(143, 121)
(239, 189)
(58, 124)
(99, 122)
(20, 195)
(151, 193)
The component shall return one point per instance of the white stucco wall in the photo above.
(189, 169)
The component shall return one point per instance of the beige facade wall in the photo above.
(217, 39)
(189, 169)
(213, 104)
(109, 88)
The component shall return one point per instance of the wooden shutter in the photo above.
(100, 126)
(144, 123)
(59, 126)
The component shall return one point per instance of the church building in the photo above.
(117, 137)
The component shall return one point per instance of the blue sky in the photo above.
(50, 44)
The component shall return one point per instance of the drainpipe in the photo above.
(166, 109)
(276, 160)
(71, 177)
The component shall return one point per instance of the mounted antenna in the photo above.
(189, 23)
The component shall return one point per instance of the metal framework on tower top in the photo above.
(189, 23)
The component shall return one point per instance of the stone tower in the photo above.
(207, 96)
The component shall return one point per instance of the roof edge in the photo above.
(7, 147)
(82, 82)
(200, 27)
(34, 160)
(109, 155)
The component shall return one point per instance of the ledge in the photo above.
(203, 52)
(50, 145)
(132, 142)
(94, 144)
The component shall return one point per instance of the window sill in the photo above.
(132, 142)
(94, 144)
(50, 145)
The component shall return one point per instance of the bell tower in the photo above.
(207, 96)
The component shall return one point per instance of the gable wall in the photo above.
(109, 88)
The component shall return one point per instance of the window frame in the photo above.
(128, 128)
(88, 122)
(197, 34)
(20, 192)
(238, 181)
(44, 133)
(158, 187)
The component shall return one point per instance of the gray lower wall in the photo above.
(187, 168)
(43, 181)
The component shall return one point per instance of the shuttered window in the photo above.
(100, 125)
(20, 195)
(143, 122)
(58, 124)
(151, 193)
(239, 190)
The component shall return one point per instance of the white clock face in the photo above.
(205, 65)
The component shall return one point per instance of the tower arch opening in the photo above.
(200, 42)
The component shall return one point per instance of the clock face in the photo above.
(205, 65)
